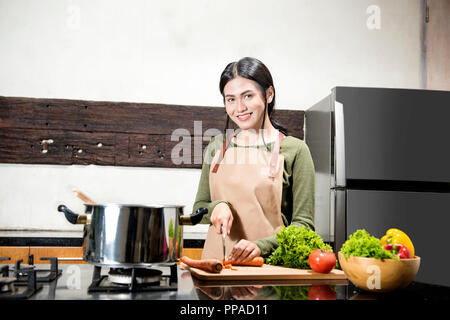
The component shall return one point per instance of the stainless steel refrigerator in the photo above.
(382, 160)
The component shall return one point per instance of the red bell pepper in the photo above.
(401, 251)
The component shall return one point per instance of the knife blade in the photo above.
(223, 242)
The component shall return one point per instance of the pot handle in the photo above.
(71, 216)
(194, 218)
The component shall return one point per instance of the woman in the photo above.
(256, 179)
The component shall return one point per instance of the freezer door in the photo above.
(425, 217)
(394, 134)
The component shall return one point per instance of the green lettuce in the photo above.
(362, 244)
(295, 245)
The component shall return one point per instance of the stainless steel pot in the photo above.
(118, 235)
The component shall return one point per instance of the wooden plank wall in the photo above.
(64, 132)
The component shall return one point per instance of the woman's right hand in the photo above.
(222, 216)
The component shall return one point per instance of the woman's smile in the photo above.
(244, 116)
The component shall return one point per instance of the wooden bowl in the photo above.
(376, 275)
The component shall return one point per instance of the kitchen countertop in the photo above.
(76, 278)
(194, 299)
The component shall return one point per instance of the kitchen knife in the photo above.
(223, 242)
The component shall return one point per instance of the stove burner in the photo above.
(142, 275)
(12, 289)
(21, 271)
(22, 281)
(133, 280)
(7, 284)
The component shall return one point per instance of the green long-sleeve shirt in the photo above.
(297, 203)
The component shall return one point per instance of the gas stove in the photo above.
(19, 280)
(22, 281)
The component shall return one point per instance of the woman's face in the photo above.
(244, 102)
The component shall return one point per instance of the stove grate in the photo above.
(100, 283)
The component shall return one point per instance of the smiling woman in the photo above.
(249, 201)
(247, 88)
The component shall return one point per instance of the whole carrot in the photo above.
(210, 265)
(255, 262)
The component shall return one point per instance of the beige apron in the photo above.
(251, 180)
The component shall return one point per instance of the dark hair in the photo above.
(252, 69)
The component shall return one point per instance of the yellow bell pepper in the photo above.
(396, 236)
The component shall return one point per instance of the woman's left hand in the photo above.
(244, 250)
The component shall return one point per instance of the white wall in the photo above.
(173, 52)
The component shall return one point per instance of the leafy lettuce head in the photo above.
(362, 244)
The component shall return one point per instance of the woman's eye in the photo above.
(230, 100)
(247, 96)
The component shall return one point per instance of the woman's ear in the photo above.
(269, 94)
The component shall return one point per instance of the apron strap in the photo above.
(222, 152)
(273, 160)
(275, 153)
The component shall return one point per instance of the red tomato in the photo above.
(321, 292)
(322, 261)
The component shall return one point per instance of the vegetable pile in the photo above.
(295, 245)
(362, 244)
(398, 241)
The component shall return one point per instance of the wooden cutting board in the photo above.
(266, 272)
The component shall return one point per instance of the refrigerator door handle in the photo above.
(339, 153)
(340, 218)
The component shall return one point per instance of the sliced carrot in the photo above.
(255, 262)
(228, 265)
